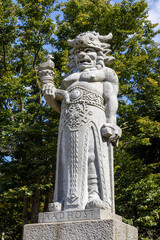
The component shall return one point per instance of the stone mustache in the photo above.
(87, 103)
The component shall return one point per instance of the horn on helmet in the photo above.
(105, 38)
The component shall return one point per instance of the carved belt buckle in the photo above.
(76, 94)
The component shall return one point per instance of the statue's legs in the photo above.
(94, 199)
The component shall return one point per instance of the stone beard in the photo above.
(87, 130)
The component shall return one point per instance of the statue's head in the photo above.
(89, 50)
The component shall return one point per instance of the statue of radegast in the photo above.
(83, 204)
(87, 103)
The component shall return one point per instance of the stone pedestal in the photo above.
(77, 225)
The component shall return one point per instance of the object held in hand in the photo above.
(46, 70)
(47, 79)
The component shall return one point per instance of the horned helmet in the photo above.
(92, 40)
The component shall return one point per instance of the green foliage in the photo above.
(28, 135)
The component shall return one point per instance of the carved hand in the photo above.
(111, 132)
(48, 89)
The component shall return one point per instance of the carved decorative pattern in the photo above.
(74, 166)
(76, 114)
(85, 149)
(80, 94)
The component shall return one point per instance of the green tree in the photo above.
(28, 135)
(137, 65)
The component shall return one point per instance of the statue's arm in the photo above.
(49, 92)
(54, 96)
(110, 90)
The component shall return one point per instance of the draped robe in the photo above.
(80, 124)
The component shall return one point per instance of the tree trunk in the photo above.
(35, 204)
(25, 211)
(49, 197)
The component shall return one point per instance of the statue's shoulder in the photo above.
(110, 75)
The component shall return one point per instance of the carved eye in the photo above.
(89, 50)
(91, 38)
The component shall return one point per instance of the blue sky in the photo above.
(154, 13)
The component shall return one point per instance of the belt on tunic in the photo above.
(83, 95)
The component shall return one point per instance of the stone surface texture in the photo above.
(89, 214)
(81, 230)
(87, 102)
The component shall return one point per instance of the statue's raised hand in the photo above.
(49, 92)
(54, 96)
(111, 132)
(49, 89)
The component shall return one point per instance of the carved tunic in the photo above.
(79, 137)
(88, 105)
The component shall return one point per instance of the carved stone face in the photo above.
(85, 58)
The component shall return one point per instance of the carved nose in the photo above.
(81, 54)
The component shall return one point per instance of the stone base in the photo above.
(111, 228)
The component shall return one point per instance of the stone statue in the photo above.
(87, 103)
(83, 204)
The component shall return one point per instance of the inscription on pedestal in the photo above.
(65, 216)
(47, 217)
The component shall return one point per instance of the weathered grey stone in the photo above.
(87, 130)
(87, 133)
(90, 214)
(125, 231)
(81, 230)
